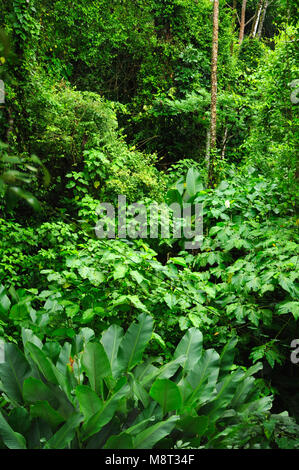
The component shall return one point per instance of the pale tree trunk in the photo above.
(233, 26)
(224, 142)
(242, 23)
(265, 6)
(208, 146)
(213, 130)
(256, 18)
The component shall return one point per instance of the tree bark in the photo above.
(224, 142)
(242, 24)
(256, 18)
(208, 147)
(265, 6)
(233, 26)
(213, 129)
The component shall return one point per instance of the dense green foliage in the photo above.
(128, 403)
(110, 98)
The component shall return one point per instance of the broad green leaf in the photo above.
(193, 182)
(96, 365)
(137, 428)
(27, 335)
(289, 307)
(203, 377)
(137, 276)
(223, 397)
(242, 391)
(35, 390)
(120, 271)
(121, 441)
(148, 438)
(89, 401)
(13, 372)
(45, 411)
(19, 420)
(288, 285)
(65, 434)
(165, 372)
(111, 339)
(167, 394)
(104, 415)
(193, 426)
(42, 361)
(191, 347)
(136, 302)
(227, 357)
(15, 192)
(64, 358)
(134, 342)
(173, 197)
(4, 301)
(11, 439)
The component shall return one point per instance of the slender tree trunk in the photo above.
(224, 142)
(242, 24)
(256, 18)
(214, 73)
(208, 147)
(213, 130)
(233, 25)
(265, 6)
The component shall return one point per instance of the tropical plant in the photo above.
(104, 394)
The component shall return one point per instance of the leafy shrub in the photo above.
(100, 394)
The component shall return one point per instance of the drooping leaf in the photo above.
(42, 361)
(148, 438)
(13, 372)
(121, 441)
(227, 357)
(96, 365)
(62, 438)
(89, 401)
(193, 182)
(191, 347)
(134, 342)
(104, 415)
(45, 411)
(203, 377)
(35, 390)
(11, 439)
(167, 394)
(111, 339)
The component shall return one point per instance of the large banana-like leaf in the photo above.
(88, 400)
(44, 410)
(121, 441)
(12, 439)
(191, 347)
(148, 438)
(44, 364)
(104, 415)
(96, 365)
(203, 378)
(62, 438)
(134, 342)
(227, 357)
(111, 339)
(13, 372)
(167, 394)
